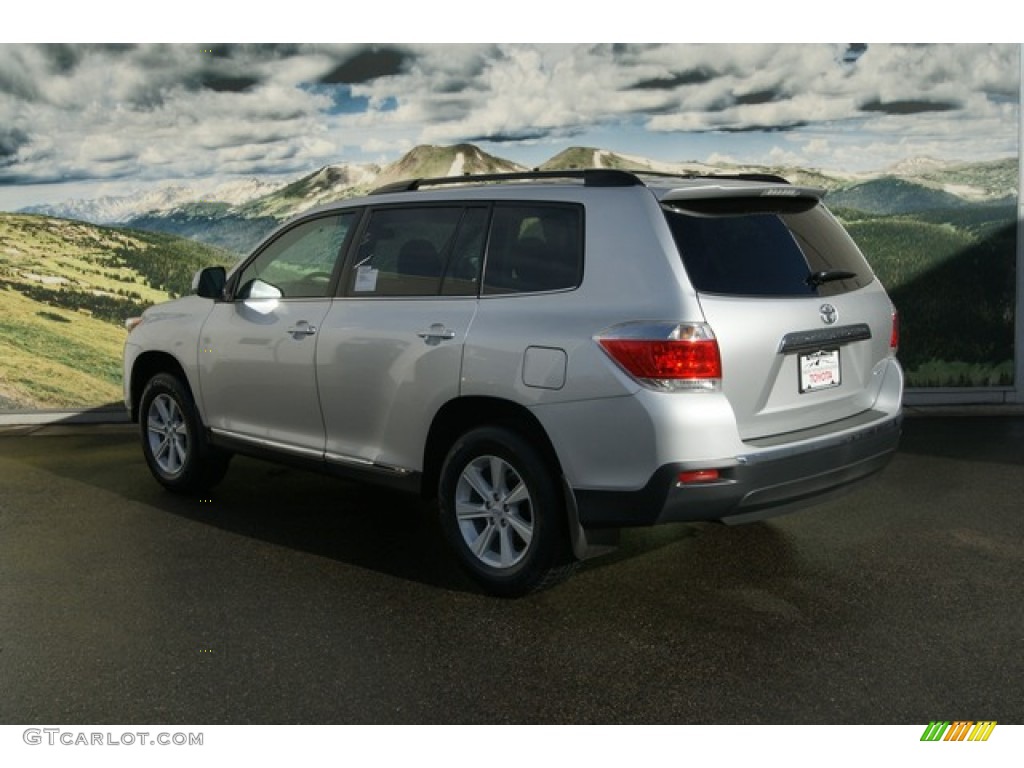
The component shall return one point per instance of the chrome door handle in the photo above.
(302, 328)
(436, 332)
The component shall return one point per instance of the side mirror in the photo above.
(258, 289)
(209, 283)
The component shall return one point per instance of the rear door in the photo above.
(800, 319)
(390, 349)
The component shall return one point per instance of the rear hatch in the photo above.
(800, 319)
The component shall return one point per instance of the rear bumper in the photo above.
(764, 483)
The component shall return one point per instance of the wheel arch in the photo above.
(148, 365)
(458, 416)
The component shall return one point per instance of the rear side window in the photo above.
(790, 247)
(402, 251)
(534, 248)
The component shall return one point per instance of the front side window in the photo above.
(300, 263)
(534, 247)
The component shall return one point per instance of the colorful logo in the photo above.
(959, 730)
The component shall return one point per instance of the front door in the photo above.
(257, 357)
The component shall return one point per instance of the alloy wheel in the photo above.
(167, 433)
(494, 511)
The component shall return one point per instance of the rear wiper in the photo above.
(827, 276)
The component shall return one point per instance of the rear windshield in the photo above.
(757, 247)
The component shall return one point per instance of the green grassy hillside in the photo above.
(951, 274)
(66, 288)
(893, 196)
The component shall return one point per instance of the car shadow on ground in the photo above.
(368, 527)
(361, 525)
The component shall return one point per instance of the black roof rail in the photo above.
(591, 177)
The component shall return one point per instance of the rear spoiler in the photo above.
(717, 191)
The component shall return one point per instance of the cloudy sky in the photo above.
(87, 120)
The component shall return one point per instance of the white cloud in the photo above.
(151, 112)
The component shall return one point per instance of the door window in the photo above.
(403, 251)
(300, 263)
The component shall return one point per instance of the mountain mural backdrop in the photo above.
(940, 236)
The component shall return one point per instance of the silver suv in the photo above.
(552, 355)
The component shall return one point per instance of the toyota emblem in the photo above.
(829, 314)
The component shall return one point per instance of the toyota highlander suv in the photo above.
(553, 356)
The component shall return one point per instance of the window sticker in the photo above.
(366, 279)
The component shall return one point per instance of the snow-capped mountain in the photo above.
(236, 213)
(428, 161)
(335, 182)
(332, 182)
(122, 208)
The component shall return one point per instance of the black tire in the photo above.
(503, 513)
(173, 439)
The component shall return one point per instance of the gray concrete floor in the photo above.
(286, 597)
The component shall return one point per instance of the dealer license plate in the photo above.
(819, 370)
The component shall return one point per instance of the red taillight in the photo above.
(894, 337)
(684, 357)
(666, 359)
